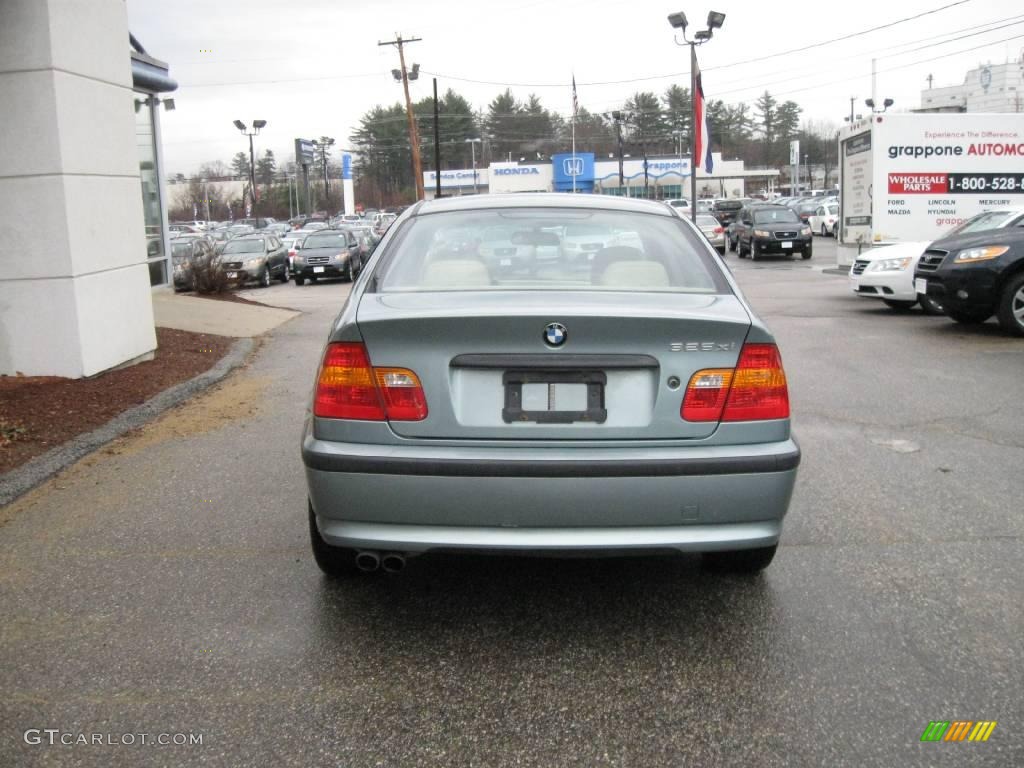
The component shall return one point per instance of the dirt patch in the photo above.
(228, 296)
(238, 398)
(38, 413)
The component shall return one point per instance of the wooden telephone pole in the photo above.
(414, 134)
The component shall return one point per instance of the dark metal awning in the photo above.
(149, 74)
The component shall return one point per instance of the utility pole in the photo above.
(437, 147)
(618, 130)
(414, 139)
(852, 100)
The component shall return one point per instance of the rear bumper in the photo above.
(416, 499)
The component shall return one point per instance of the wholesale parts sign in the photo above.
(916, 176)
(958, 182)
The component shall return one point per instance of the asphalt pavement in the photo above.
(165, 586)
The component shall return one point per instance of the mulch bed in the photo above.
(38, 413)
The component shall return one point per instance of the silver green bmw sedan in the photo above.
(520, 395)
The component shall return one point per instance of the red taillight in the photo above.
(754, 390)
(350, 388)
(719, 230)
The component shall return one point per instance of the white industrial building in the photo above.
(666, 177)
(987, 88)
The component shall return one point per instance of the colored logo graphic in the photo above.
(572, 166)
(555, 334)
(958, 730)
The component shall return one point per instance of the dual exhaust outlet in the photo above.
(368, 560)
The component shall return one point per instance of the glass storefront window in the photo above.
(152, 217)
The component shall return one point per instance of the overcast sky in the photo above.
(313, 67)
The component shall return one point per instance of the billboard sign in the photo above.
(304, 151)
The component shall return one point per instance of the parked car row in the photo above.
(972, 273)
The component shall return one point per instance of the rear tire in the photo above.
(740, 560)
(336, 562)
(966, 317)
(1010, 312)
(898, 305)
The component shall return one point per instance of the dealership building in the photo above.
(80, 166)
(658, 177)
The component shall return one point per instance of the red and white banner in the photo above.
(918, 183)
(702, 142)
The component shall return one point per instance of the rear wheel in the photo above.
(336, 562)
(1011, 306)
(968, 317)
(900, 305)
(740, 560)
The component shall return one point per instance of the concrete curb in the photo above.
(19, 481)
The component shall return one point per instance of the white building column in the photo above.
(74, 286)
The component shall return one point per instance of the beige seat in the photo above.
(455, 273)
(635, 274)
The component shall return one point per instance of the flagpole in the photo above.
(693, 132)
(574, 133)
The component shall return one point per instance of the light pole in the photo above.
(679, 147)
(256, 125)
(472, 146)
(206, 197)
(323, 146)
(678, 21)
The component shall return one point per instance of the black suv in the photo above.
(328, 253)
(734, 230)
(773, 230)
(976, 276)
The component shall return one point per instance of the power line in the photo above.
(812, 46)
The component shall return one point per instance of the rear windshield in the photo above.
(708, 221)
(458, 251)
(772, 215)
(728, 205)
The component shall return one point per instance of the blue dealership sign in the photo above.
(346, 166)
(569, 167)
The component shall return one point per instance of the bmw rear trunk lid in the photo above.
(553, 365)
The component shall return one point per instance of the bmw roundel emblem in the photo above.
(555, 334)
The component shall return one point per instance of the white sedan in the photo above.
(823, 220)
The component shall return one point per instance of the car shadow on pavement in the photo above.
(439, 599)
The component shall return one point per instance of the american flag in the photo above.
(575, 102)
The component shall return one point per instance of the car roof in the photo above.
(541, 200)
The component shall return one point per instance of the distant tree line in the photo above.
(513, 129)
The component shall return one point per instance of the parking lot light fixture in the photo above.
(678, 21)
(244, 130)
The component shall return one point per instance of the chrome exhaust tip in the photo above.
(392, 562)
(367, 561)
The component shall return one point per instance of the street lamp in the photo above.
(323, 147)
(870, 104)
(206, 196)
(678, 21)
(472, 146)
(256, 125)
